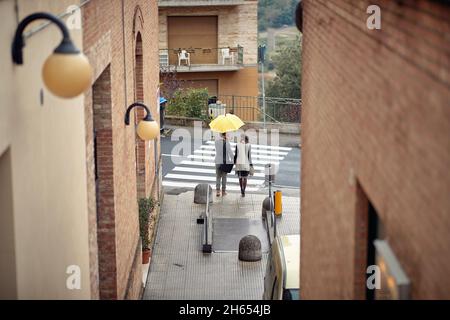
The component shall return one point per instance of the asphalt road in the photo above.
(289, 169)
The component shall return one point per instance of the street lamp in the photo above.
(66, 72)
(147, 129)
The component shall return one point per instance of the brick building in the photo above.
(71, 171)
(125, 60)
(220, 38)
(376, 146)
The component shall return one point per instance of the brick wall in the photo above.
(376, 124)
(110, 29)
(104, 175)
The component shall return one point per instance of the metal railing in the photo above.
(271, 227)
(180, 57)
(277, 110)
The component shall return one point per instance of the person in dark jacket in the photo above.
(221, 158)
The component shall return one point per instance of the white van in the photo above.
(282, 279)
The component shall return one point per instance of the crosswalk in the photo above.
(199, 167)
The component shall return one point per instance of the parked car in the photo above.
(282, 279)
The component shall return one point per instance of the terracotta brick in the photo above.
(375, 106)
(111, 45)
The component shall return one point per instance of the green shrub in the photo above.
(188, 103)
(146, 206)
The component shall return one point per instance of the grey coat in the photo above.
(229, 156)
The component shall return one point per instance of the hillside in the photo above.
(276, 13)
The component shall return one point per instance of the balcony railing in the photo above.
(198, 3)
(202, 59)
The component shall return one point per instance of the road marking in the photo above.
(210, 178)
(256, 151)
(172, 155)
(168, 183)
(253, 155)
(194, 156)
(210, 171)
(199, 167)
(211, 164)
(259, 146)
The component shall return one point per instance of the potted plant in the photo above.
(146, 206)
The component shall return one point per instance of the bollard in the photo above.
(265, 207)
(278, 203)
(200, 193)
(250, 248)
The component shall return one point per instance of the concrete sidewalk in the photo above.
(179, 269)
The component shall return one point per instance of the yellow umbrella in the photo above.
(226, 123)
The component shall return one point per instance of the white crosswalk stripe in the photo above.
(210, 164)
(259, 146)
(209, 178)
(208, 171)
(202, 157)
(199, 167)
(192, 185)
(254, 156)
(254, 151)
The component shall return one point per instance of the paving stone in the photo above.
(218, 276)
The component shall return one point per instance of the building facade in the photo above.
(218, 40)
(71, 171)
(375, 149)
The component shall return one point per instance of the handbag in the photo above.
(225, 167)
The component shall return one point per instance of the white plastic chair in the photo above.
(184, 56)
(226, 55)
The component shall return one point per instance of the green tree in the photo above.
(287, 83)
(276, 13)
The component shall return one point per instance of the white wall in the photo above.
(48, 165)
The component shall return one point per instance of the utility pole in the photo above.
(261, 58)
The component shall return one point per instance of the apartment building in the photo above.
(212, 45)
(71, 171)
(375, 150)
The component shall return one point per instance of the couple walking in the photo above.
(225, 160)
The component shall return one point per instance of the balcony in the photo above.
(200, 3)
(201, 59)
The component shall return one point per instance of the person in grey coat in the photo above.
(221, 158)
